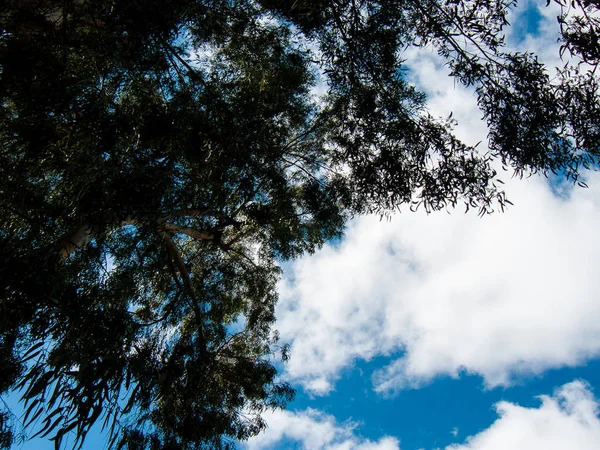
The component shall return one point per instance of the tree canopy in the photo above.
(158, 159)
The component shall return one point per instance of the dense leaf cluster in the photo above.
(158, 158)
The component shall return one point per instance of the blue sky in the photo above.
(449, 331)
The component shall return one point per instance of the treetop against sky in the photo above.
(160, 163)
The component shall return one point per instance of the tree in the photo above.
(158, 159)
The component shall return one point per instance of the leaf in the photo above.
(31, 374)
(131, 400)
(60, 433)
(48, 427)
(57, 439)
(57, 391)
(127, 380)
(55, 412)
(39, 386)
(32, 349)
(31, 356)
(32, 352)
(96, 410)
(29, 409)
(35, 416)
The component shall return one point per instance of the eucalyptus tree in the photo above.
(158, 159)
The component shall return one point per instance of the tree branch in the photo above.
(188, 231)
(175, 256)
(191, 212)
(77, 239)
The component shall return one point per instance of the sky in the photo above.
(451, 331)
(448, 331)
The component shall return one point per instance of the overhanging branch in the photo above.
(188, 231)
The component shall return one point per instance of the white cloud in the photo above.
(501, 296)
(544, 42)
(567, 420)
(314, 430)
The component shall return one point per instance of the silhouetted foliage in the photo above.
(158, 158)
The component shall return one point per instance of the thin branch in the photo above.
(242, 254)
(302, 169)
(176, 258)
(192, 212)
(227, 246)
(233, 337)
(188, 231)
(193, 72)
(168, 308)
(462, 31)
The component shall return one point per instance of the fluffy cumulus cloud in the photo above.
(313, 430)
(567, 420)
(500, 296)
